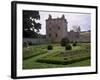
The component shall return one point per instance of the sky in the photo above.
(81, 19)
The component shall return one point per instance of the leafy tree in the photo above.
(30, 26)
(65, 41)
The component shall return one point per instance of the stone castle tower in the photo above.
(56, 28)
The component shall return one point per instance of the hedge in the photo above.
(50, 61)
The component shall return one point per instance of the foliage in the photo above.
(30, 26)
(68, 47)
(25, 44)
(50, 47)
(64, 62)
(65, 41)
(30, 43)
(75, 43)
(31, 51)
(76, 28)
(37, 56)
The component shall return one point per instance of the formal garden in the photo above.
(64, 53)
(56, 55)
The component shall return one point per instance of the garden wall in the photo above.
(36, 41)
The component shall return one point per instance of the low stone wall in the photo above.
(36, 41)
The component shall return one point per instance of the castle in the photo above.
(57, 28)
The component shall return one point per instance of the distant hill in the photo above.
(85, 36)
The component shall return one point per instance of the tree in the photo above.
(65, 41)
(76, 28)
(30, 26)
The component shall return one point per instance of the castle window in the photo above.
(50, 22)
(49, 35)
(50, 29)
(56, 35)
(58, 28)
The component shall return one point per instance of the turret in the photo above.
(63, 16)
(50, 17)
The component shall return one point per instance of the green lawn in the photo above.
(37, 56)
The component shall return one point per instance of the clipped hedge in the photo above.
(68, 47)
(30, 43)
(50, 61)
(33, 55)
(25, 44)
(75, 43)
(49, 47)
(65, 41)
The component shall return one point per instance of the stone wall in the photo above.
(36, 41)
(56, 28)
(73, 36)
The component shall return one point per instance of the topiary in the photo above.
(30, 43)
(25, 44)
(68, 47)
(65, 41)
(50, 47)
(75, 43)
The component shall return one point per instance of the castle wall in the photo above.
(56, 29)
(79, 36)
(73, 36)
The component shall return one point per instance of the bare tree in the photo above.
(76, 28)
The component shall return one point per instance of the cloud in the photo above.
(81, 19)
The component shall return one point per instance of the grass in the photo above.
(38, 56)
(31, 51)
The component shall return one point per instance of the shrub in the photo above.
(30, 43)
(75, 43)
(30, 55)
(64, 62)
(65, 41)
(65, 58)
(50, 47)
(68, 47)
(25, 44)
